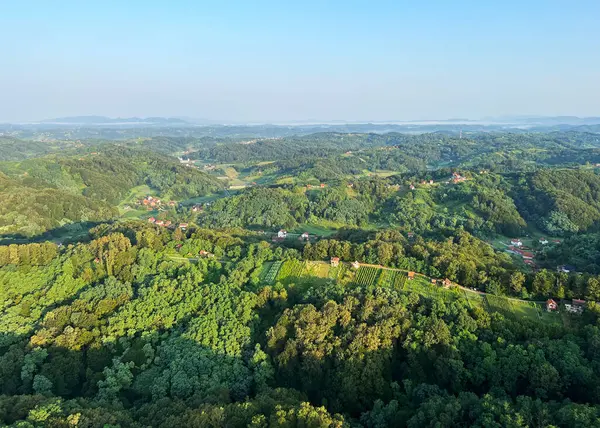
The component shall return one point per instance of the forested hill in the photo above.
(55, 190)
(561, 201)
(485, 149)
(127, 331)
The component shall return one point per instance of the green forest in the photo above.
(328, 279)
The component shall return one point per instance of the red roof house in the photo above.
(551, 305)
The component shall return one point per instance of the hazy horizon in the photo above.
(311, 62)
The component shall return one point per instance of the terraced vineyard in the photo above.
(272, 273)
(387, 278)
(367, 275)
(291, 269)
(400, 280)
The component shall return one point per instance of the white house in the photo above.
(516, 242)
(282, 233)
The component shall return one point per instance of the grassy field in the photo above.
(135, 195)
(313, 229)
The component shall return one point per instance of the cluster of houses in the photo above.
(516, 247)
(162, 223)
(575, 307)
(166, 223)
(457, 178)
(186, 162)
(282, 235)
(150, 202)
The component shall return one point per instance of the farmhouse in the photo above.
(411, 275)
(335, 261)
(551, 305)
(575, 307)
(566, 268)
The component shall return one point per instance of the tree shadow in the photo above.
(125, 374)
(69, 233)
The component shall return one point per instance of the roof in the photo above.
(550, 302)
(335, 259)
(411, 274)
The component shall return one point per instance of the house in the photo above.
(410, 235)
(159, 223)
(433, 281)
(168, 223)
(516, 242)
(423, 182)
(543, 241)
(355, 264)
(457, 178)
(447, 283)
(430, 181)
(322, 185)
(527, 255)
(151, 220)
(172, 203)
(411, 275)
(566, 269)
(282, 234)
(551, 305)
(350, 185)
(575, 307)
(304, 236)
(204, 253)
(183, 226)
(197, 208)
(412, 187)
(308, 186)
(335, 261)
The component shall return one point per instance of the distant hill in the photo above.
(103, 120)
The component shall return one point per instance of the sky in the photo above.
(279, 61)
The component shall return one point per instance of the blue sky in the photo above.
(281, 61)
